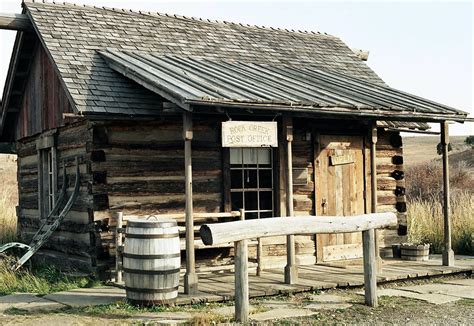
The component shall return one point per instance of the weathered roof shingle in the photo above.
(73, 34)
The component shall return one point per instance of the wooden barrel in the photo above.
(151, 261)
(415, 252)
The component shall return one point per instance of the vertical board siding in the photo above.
(44, 99)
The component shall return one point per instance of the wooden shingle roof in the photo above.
(73, 35)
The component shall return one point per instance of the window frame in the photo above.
(47, 173)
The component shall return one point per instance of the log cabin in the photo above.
(169, 114)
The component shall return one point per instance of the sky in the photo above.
(421, 47)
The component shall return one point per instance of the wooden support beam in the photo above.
(448, 253)
(14, 22)
(291, 270)
(118, 247)
(373, 187)
(241, 282)
(190, 278)
(370, 268)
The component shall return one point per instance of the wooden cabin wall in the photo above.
(44, 100)
(391, 185)
(71, 245)
(138, 168)
(274, 249)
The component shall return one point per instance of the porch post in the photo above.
(448, 253)
(291, 271)
(373, 187)
(190, 278)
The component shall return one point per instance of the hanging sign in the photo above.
(249, 134)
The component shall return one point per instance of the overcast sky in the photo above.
(425, 47)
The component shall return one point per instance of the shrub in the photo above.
(425, 181)
(469, 140)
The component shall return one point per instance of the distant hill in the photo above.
(422, 149)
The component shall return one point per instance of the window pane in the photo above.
(265, 178)
(251, 216)
(266, 214)
(236, 179)
(266, 200)
(236, 156)
(250, 178)
(237, 201)
(250, 156)
(264, 156)
(251, 200)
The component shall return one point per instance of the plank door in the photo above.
(339, 191)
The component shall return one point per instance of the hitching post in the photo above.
(241, 278)
(370, 267)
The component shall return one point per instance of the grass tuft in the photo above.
(425, 209)
(8, 198)
(41, 280)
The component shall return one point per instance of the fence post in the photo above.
(118, 247)
(241, 282)
(370, 267)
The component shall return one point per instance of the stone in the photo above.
(28, 302)
(327, 306)
(328, 298)
(464, 281)
(88, 296)
(230, 310)
(278, 304)
(461, 291)
(282, 314)
(428, 297)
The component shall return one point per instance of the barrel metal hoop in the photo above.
(151, 272)
(151, 236)
(163, 256)
(142, 290)
(150, 224)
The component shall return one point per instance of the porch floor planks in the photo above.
(219, 287)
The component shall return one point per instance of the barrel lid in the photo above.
(152, 222)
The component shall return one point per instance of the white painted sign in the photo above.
(249, 134)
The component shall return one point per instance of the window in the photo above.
(47, 175)
(252, 181)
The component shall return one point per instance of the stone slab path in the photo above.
(436, 293)
(88, 296)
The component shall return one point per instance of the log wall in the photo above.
(74, 237)
(391, 185)
(138, 168)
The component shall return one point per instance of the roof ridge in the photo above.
(189, 18)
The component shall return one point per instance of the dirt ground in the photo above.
(391, 311)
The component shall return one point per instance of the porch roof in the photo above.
(192, 83)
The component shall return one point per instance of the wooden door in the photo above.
(339, 192)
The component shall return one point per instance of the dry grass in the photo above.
(425, 211)
(8, 198)
(425, 223)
